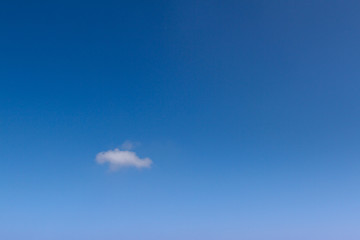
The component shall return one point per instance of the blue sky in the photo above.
(240, 120)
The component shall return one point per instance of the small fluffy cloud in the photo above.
(120, 159)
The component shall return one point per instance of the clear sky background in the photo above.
(249, 111)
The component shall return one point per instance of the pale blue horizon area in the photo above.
(249, 111)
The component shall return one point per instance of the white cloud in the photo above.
(120, 159)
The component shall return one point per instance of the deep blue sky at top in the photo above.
(249, 110)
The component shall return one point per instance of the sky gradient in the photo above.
(247, 111)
